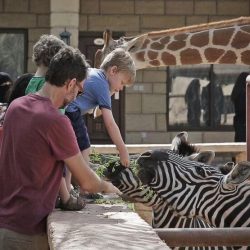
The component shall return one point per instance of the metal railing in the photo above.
(187, 237)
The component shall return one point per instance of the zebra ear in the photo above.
(146, 154)
(226, 168)
(239, 173)
(204, 157)
(160, 155)
(155, 155)
(178, 139)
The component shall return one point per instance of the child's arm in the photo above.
(115, 136)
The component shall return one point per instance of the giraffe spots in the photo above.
(145, 44)
(190, 56)
(245, 57)
(176, 45)
(223, 36)
(152, 55)
(228, 58)
(199, 40)
(241, 40)
(140, 56)
(168, 59)
(155, 63)
(180, 37)
(155, 38)
(157, 46)
(213, 54)
(165, 40)
(246, 28)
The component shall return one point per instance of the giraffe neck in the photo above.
(216, 45)
(225, 42)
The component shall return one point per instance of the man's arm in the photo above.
(86, 177)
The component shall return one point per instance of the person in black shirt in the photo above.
(238, 97)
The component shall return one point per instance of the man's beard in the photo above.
(68, 99)
(65, 103)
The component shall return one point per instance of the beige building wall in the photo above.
(64, 14)
(146, 100)
(33, 15)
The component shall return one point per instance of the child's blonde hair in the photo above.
(122, 60)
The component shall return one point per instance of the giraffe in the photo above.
(224, 42)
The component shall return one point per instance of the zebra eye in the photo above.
(200, 171)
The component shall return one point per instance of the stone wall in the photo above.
(65, 15)
(33, 15)
(146, 100)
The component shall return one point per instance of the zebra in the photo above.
(163, 216)
(197, 190)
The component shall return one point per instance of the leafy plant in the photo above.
(104, 160)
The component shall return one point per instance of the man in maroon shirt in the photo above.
(36, 143)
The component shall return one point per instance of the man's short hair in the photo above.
(67, 64)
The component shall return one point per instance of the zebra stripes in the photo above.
(186, 194)
(195, 189)
(198, 190)
(162, 215)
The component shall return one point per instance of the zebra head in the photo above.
(128, 183)
(131, 187)
(194, 189)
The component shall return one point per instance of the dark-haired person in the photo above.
(19, 87)
(34, 151)
(43, 51)
(5, 86)
(238, 97)
(17, 90)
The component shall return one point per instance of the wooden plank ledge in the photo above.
(227, 147)
(99, 227)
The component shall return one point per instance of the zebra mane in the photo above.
(186, 149)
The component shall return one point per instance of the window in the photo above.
(199, 96)
(13, 53)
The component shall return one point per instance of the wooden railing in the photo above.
(238, 150)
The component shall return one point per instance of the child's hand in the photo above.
(124, 158)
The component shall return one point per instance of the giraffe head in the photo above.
(129, 44)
